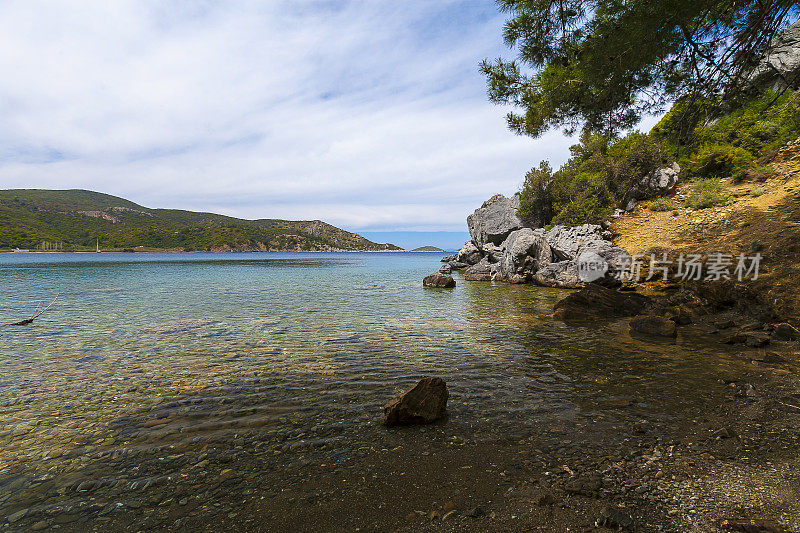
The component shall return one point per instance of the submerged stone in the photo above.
(424, 403)
(654, 325)
(439, 281)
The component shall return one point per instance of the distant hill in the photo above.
(74, 219)
(427, 249)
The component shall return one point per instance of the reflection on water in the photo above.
(154, 370)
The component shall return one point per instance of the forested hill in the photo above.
(75, 219)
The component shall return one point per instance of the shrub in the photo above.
(662, 204)
(718, 161)
(755, 193)
(536, 198)
(707, 193)
(675, 213)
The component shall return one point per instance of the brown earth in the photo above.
(769, 222)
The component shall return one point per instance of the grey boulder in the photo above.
(657, 183)
(483, 271)
(779, 67)
(566, 243)
(526, 251)
(469, 254)
(495, 220)
(561, 274)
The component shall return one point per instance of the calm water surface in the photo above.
(191, 384)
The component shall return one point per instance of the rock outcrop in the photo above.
(567, 243)
(779, 68)
(525, 251)
(482, 271)
(424, 403)
(438, 280)
(562, 274)
(657, 183)
(595, 301)
(506, 247)
(469, 254)
(495, 220)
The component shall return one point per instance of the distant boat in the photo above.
(98, 247)
(19, 251)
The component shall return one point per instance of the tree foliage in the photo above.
(601, 64)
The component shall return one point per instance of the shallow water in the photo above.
(274, 367)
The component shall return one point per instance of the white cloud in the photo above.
(369, 115)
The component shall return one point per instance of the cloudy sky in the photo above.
(370, 115)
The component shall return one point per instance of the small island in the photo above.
(428, 249)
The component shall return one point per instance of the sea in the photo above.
(244, 391)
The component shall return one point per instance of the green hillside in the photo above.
(74, 219)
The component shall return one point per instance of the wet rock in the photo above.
(445, 269)
(424, 403)
(17, 516)
(680, 315)
(654, 325)
(735, 338)
(439, 281)
(725, 324)
(448, 258)
(457, 265)
(495, 220)
(785, 332)
(595, 301)
(756, 339)
(613, 517)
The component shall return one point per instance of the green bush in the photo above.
(709, 139)
(755, 193)
(595, 179)
(707, 193)
(661, 204)
(718, 161)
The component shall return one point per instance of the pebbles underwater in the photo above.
(170, 391)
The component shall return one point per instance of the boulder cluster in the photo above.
(506, 247)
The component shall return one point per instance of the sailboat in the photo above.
(98, 247)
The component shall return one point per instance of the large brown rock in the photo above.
(439, 281)
(424, 403)
(654, 325)
(595, 301)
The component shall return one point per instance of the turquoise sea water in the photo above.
(154, 373)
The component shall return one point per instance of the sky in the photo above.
(370, 115)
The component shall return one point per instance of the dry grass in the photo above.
(769, 221)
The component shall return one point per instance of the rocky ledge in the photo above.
(506, 247)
